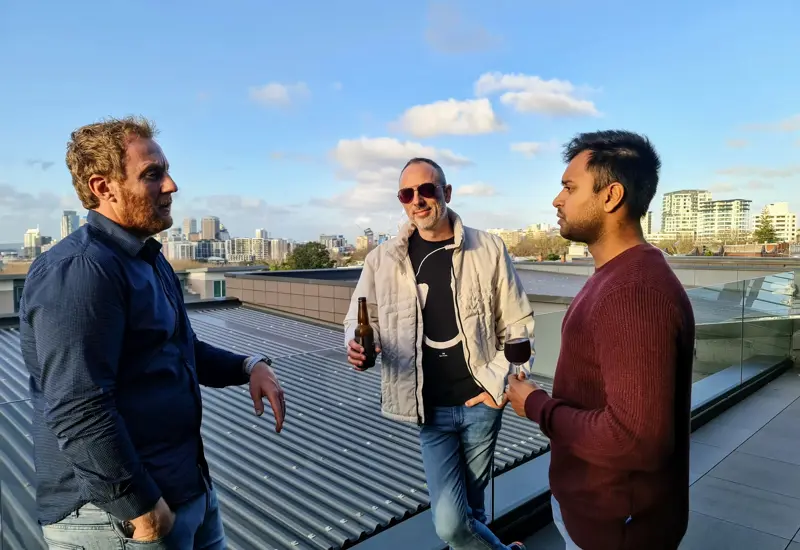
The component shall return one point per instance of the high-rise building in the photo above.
(180, 250)
(69, 222)
(510, 237)
(189, 226)
(209, 228)
(362, 242)
(680, 211)
(32, 243)
(784, 222)
(174, 234)
(647, 224)
(370, 237)
(333, 242)
(262, 234)
(728, 219)
(210, 249)
(279, 249)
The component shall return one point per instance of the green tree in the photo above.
(311, 255)
(682, 245)
(540, 245)
(765, 231)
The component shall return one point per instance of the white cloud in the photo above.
(22, 210)
(276, 94)
(373, 166)
(367, 154)
(789, 124)
(532, 94)
(291, 156)
(761, 172)
(241, 214)
(723, 188)
(477, 189)
(450, 117)
(448, 32)
(528, 148)
(756, 185)
(43, 164)
(337, 86)
(737, 143)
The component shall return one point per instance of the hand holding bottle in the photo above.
(357, 357)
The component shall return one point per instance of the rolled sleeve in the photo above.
(77, 312)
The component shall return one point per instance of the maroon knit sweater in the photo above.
(618, 420)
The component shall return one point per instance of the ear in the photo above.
(448, 192)
(101, 187)
(614, 196)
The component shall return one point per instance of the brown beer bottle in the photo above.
(365, 336)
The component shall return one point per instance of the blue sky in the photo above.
(297, 116)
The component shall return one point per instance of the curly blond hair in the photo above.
(100, 149)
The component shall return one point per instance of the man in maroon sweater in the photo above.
(618, 420)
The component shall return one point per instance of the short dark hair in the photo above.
(429, 162)
(622, 156)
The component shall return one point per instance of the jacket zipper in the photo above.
(464, 334)
(416, 336)
(416, 373)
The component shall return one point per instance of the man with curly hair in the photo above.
(115, 367)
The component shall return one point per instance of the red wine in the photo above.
(518, 350)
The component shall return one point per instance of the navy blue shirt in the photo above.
(115, 373)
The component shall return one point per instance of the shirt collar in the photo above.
(148, 250)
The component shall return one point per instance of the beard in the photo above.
(587, 229)
(141, 215)
(438, 211)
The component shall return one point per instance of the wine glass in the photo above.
(517, 348)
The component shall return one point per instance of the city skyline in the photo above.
(657, 222)
(305, 132)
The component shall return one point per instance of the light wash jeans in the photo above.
(559, 521)
(198, 525)
(457, 449)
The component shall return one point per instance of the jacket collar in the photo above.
(399, 246)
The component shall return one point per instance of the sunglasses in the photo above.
(425, 190)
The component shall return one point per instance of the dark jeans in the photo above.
(198, 525)
(457, 449)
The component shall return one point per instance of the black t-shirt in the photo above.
(447, 380)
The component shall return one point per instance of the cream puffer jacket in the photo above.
(488, 297)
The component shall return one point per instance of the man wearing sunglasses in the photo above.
(440, 297)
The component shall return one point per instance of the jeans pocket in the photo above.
(58, 545)
(161, 543)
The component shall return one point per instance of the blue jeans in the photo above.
(198, 525)
(559, 521)
(457, 450)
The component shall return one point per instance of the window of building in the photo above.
(219, 289)
(17, 296)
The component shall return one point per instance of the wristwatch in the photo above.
(253, 360)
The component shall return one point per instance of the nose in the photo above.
(558, 201)
(169, 185)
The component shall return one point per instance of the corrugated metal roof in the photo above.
(338, 472)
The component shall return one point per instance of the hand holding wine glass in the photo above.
(517, 347)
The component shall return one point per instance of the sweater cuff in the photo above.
(534, 404)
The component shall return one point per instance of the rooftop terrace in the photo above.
(745, 476)
(338, 472)
(340, 475)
